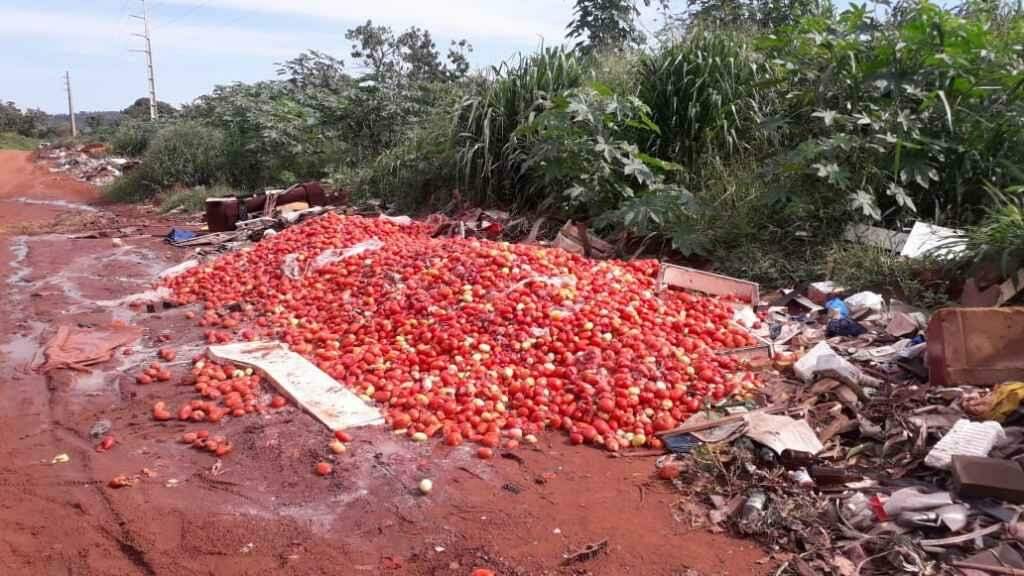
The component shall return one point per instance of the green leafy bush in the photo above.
(577, 150)
(132, 138)
(186, 154)
(182, 154)
(907, 114)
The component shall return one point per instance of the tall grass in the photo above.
(999, 237)
(702, 92)
(486, 123)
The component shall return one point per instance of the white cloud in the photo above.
(91, 35)
(477, 20)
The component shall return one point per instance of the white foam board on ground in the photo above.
(303, 382)
(928, 239)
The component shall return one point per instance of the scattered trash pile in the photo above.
(888, 442)
(469, 339)
(90, 163)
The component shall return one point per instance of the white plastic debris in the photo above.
(178, 269)
(928, 239)
(914, 499)
(745, 317)
(864, 303)
(398, 220)
(290, 267)
(328, 257)
(965, 439)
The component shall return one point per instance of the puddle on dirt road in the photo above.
(137, 268)
(53, 203)
(41, 267)
(19, 248)
(21, 349)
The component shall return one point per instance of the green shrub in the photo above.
(999, 237)
(12, 141)
(579, 158)
(420, 172)
(132, 138)
(184, 154)
(919, 282)
(905, 112)
(130, 188)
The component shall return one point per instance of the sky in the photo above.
(198, 44)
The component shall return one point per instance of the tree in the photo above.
(600, 25)
(765, 14)
(411, 55)
(31, 122)
(313, 70)
(139, 110)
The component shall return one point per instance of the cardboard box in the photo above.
(975, 477)
(976, 346)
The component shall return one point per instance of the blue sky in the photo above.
(200, 43)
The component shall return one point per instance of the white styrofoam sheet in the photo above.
(927, 239)
(303, 382)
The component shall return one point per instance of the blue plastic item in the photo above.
(176, 235)
(839, 306)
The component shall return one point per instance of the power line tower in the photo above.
(149, 58)
(71, 107)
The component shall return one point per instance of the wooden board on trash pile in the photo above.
(976, 346)
(762, 353)
(303, 383)
(708, 283)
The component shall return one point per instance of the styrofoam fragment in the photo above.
(966, 438)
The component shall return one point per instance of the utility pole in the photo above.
(149, 58)
(71, 107)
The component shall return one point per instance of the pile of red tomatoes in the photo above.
(479, 341)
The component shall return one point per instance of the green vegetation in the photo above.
(489, 153)
(132, 138)
(194, 199)
(747, 134)
(13, 141)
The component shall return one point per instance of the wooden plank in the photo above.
(697, 427)
(303, 382)
(708, 283)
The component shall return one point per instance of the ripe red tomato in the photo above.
(468, 337)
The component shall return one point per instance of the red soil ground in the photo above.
(264, 511)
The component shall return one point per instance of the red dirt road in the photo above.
(262, 510)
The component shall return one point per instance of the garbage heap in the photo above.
(469, 339)
(90, 163)
(880, 445)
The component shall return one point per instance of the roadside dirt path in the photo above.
(262, 510)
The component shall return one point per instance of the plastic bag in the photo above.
(397, 220)
(837, 309)
(865, 303)
(844, 327)
(328, 257)
(290, 267)
(554, 281)
(745, 316)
